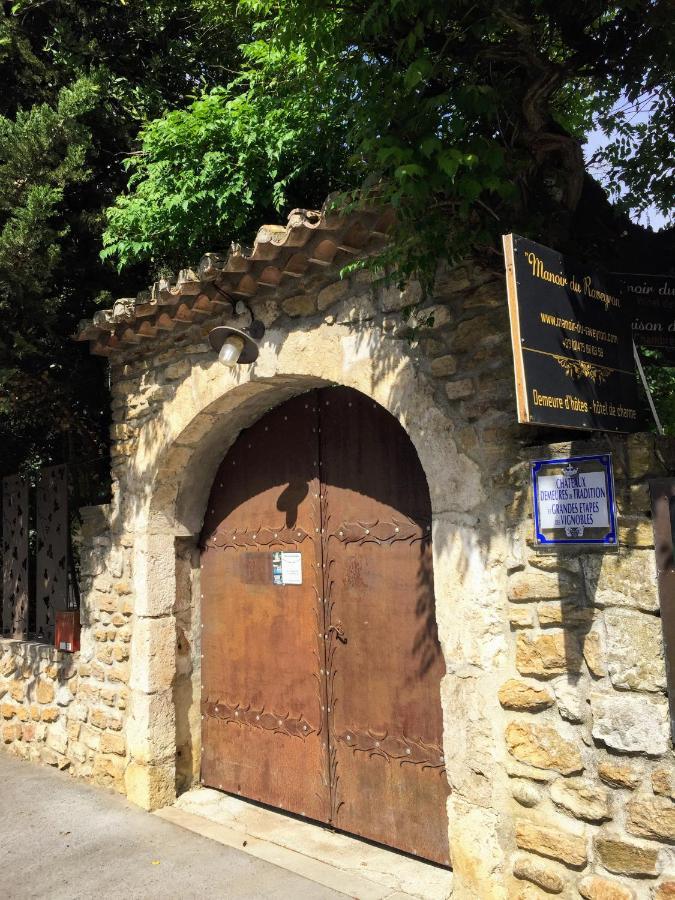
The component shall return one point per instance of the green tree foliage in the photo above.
(79, 80)
(234, 158)
(467, 117)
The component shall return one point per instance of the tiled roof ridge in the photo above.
(310, 240)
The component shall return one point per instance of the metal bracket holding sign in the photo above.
(648, 393)
(574, 501)
(662, 493)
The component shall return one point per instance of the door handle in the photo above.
(339, 631)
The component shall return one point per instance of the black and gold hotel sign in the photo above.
(572, 341)
(652, 305)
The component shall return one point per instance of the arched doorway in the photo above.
(321, 665)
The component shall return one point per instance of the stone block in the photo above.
(63, 695)
(618, 774)
(393, 299)
(623, 579)
(109, 768)
(57, 738)
(565, 613)
(662, 783)
(571, 699)
(443, 366)
(98, 718)
(581, 798)
(641, 455)
(331, 293)
(154, 575)
(544, 747)
(534, 584)
(525, 792)
(631, 723)
(634, 650)
(636, 531)
(594, 651)
(266, 310)
(523, 697)
(150, 787)
(431, 317)
(153, 654)
(520, 616)
(457, 390)
(299, 305)
(651, 817)
(548, 654)
(487, 295)
(90, 738)
(113, 743)
(151, 727)
(665, 891)
(7, 665)
(17, 690)
(119, 673)
(471, 333)
(622, 858)
(594, 887)
(544, 875)
(177, 371)
(50, 714)
(554, 843)
(120, 652)
(11, 732)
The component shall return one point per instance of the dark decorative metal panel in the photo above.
(14, 556)
(51, 572)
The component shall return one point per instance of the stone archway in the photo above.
(177, 457)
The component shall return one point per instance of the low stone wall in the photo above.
(68, 709)
(586, 722)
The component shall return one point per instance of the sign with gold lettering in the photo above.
(574, 501)
(651, 300)
(572, 342)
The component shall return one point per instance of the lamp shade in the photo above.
(218, 336)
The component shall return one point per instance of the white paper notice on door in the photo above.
(291, 568)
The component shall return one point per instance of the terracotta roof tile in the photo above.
(282, 258)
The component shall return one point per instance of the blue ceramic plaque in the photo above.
(574, 501)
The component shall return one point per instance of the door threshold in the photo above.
(335, 860)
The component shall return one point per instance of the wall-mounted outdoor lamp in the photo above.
(234, 346)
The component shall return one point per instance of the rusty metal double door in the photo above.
(321, 665)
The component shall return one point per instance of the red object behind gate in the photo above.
(67, 634)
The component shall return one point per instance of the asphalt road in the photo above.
(63, 840)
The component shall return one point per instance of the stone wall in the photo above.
(68, 709)
(556, 723)
(586, 722)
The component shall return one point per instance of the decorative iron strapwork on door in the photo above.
(37, 573)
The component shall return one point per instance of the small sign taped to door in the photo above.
(286, 568)
(574, 501)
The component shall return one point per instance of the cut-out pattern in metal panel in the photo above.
(262, 536)
(14, 556)
(51, 571)
(257, 718)
(395, 749)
